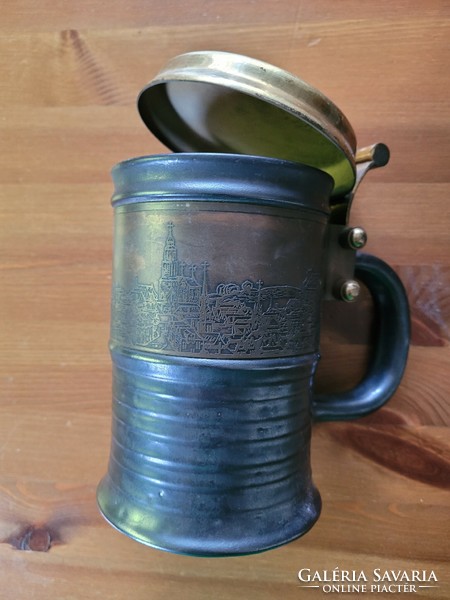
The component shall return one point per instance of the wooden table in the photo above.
(70, 73)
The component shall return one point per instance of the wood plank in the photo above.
(61, 502)
(48, 146)
(111, 66)
(21, 15)
(80, 217)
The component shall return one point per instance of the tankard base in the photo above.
(210, 457)
(237, 534)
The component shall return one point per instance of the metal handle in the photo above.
(390, 353)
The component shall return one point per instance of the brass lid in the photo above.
(222, 102)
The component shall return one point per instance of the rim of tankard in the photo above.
(207, 176)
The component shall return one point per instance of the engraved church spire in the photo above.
(169, 266)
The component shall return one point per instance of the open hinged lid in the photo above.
(222, 102)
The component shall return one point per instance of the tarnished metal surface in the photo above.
(212, 275)
(216, 303)
(220, 264)
(210, 457)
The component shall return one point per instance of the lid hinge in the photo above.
(344, 241)
(366, 159)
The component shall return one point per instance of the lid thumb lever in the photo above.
(370, 157)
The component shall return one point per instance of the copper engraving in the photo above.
(181, 313)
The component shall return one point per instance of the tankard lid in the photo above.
(213, 101)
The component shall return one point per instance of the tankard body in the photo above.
(223, 254)
(218, 276)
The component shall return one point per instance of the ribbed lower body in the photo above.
(210, 457)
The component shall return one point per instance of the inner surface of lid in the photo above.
(196, 110)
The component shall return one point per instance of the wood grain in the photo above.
(70, 74)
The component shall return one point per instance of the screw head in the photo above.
(357, 238)
(350, 290)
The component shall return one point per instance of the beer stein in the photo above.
(223, 254)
